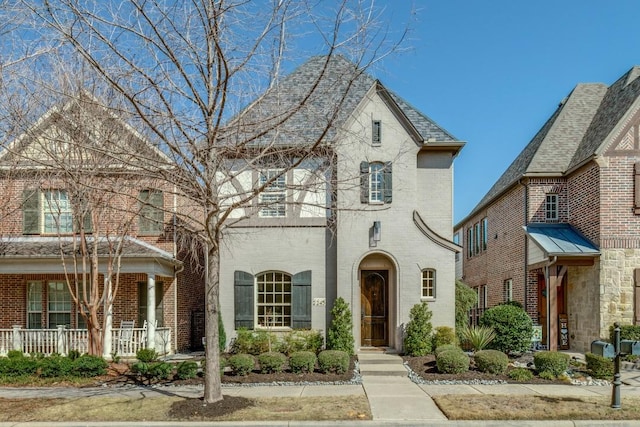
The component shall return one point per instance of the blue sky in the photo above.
(491, 72)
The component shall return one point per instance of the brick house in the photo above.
(368, 220)
(40, 222)
(559, 231)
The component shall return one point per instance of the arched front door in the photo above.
(374, 308)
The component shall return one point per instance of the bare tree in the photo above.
(191, 74)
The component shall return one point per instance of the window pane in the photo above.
(57, 212)
(273, 299)
(272, 199)
(376, 182)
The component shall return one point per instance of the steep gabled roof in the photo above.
(337, 87)
(79, 130)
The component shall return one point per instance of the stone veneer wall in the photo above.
(616, 287)
(583, 306)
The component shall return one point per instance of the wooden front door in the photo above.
(374, 307)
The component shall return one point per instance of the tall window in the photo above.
(482, 296)
(376, 132)
(57, 212)
(551, 207)
(151, 219)
(34, 305)
(59, 304)
(142, 303)
(428, 283)
(376, 183)
(272, 199)
(273, 296)
(485, 233)
(508, 290)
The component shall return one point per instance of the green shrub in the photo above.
(513, 328)
(73, 354)
(552, 362)
(599, 367)
(446, 347)
(253, 342)
(89, 366)
(547, 375)
(520, 374)
(187, 370)
(491, 361)
(160, 370)
(477, 337)
(18, 366)
(333, 361)
(242, 364)
(302, 361)
(340, 334)
(627, 332)
(54, 366)
(272, 362)
(452, 362)
(417, 334)
(12, 354)
(443, 335)
(302, 340)
(466, 299)
(146, 355)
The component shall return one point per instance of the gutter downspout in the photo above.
(546, 286)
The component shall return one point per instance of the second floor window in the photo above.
(551, 207)
(375, 182)
(47, 212)
(151, 218)
(273, 197)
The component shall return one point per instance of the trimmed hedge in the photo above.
(302, 361)
(271, 362)
(551, 362)
(491, 361)
(627, 332)
(242, 364)
(513, 328)
(417, 334)
(599, 367)
(333, 361)
(446, 347)
(452, 362)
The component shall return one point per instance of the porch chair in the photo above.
(125, 337)
(143, 337)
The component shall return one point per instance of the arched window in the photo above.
(273, 299)
(428, 283)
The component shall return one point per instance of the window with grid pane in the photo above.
(59, 304)
(551, 207)
(273, 299)
(428, 283)
(151, 219)
(34, 305)
(57, 212)
(272, 199)
(376, 183)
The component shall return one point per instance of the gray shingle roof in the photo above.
(575, 132)
(336, 87)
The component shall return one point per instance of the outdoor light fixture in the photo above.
(376, 231)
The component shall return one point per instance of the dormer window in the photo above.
(551, 207)
(376, 132)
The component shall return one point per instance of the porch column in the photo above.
(107, 342)
(151, 311)
(555, 279)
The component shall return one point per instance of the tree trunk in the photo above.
(212, 383)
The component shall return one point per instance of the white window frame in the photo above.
(58, 302)
(35, 298)
(551, 207)
(56, 213)
(376, 183)
(508, 290)
(273, 290)
(272, 198)
(428, 284)
(482, 296)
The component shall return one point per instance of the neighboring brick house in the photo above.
(369, 220)
(39, 222)
(563, 220)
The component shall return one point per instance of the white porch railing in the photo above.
(62, 340)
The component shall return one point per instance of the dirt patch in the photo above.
(197, 409)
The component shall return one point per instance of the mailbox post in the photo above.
(615, 396)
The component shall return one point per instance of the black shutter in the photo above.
(30, 212)
(387, 183)
(364, 182)
(243, 299)
(301, 300)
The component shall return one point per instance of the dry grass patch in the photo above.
(526, 407)
(165, 408)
